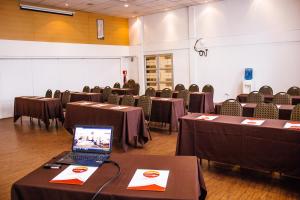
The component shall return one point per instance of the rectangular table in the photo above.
(38, 107)
(167, 110)
(248, 110)
(185, 181)
(268, 98)
(200, 102)
(267, 147)
(121, 91)
(128, 123)
(83, 96)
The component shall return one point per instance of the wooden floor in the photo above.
(25, 147)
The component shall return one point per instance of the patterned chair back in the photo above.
(295, 116)
(86, 89)
(266, 111)
(48, 93)
(194, 88)
(128, 100)
(113, 99)
(57, 94)
(106, 92)
(65, 98)
(185, 95)
(179, 87)
(255, 97)
(282, 98)
(208, 88)
(166, 93)
(117, 85)
(294, 91)
(96, 89)
(150, 92)
(231, 107)
(145, 103)
(136, 89)
(266, 90)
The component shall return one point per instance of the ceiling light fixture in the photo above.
(126, 5)
(46, 10)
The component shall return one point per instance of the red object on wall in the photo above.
(124, 76)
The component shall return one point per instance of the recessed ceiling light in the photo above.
(66, 4)
(126, 5)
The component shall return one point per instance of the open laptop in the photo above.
(91, 146)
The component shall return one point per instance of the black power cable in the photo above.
(110, 180)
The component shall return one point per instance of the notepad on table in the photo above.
(74, 175)
(148, 179)
(256, 122)
(292, 125)
(85, 103)
(118, 107)
(207, 117)
(99, 105)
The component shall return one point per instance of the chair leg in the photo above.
(21, 120)
(56, 124)
(39, 122)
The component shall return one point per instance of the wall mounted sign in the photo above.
(100, 29)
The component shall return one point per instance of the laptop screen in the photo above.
(92, 139)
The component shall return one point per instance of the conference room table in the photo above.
(200, 102)
(38, 107)
(267, 98)
(185, 180)
(248, 110)
(84, 96)
(127, 121)
(165, 110)
(121, 91)
(269, 146)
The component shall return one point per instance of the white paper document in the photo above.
(207, 117)
(256, 122)
(99, 105)
(292, 125)
(149, 179)
(74, 175)
(118, 107)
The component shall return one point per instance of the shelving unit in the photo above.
(159, 71)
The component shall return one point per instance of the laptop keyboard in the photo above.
(79, 156)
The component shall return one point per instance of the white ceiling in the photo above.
(116, 7)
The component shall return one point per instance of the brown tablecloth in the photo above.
(225, 139)
(201, 102)
(248, 110)
(167, 110)
(128, 123)
(268, 98)
(185, 181)
(38, 107)
(82, 96)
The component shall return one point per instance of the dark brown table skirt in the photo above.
(267, 147)
(128, 123)
(167, 110)
(248, 110)
(200, 102)
(268, 98)
(185, 181)
(38, 107)
(82, 96)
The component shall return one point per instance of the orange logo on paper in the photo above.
(151, 174)
(80, 169)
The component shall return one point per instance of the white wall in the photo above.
(30, 68)
(162, 33)
(262, 34)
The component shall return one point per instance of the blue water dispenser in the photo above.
(248, 83)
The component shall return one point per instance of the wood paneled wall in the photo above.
(17, 24)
